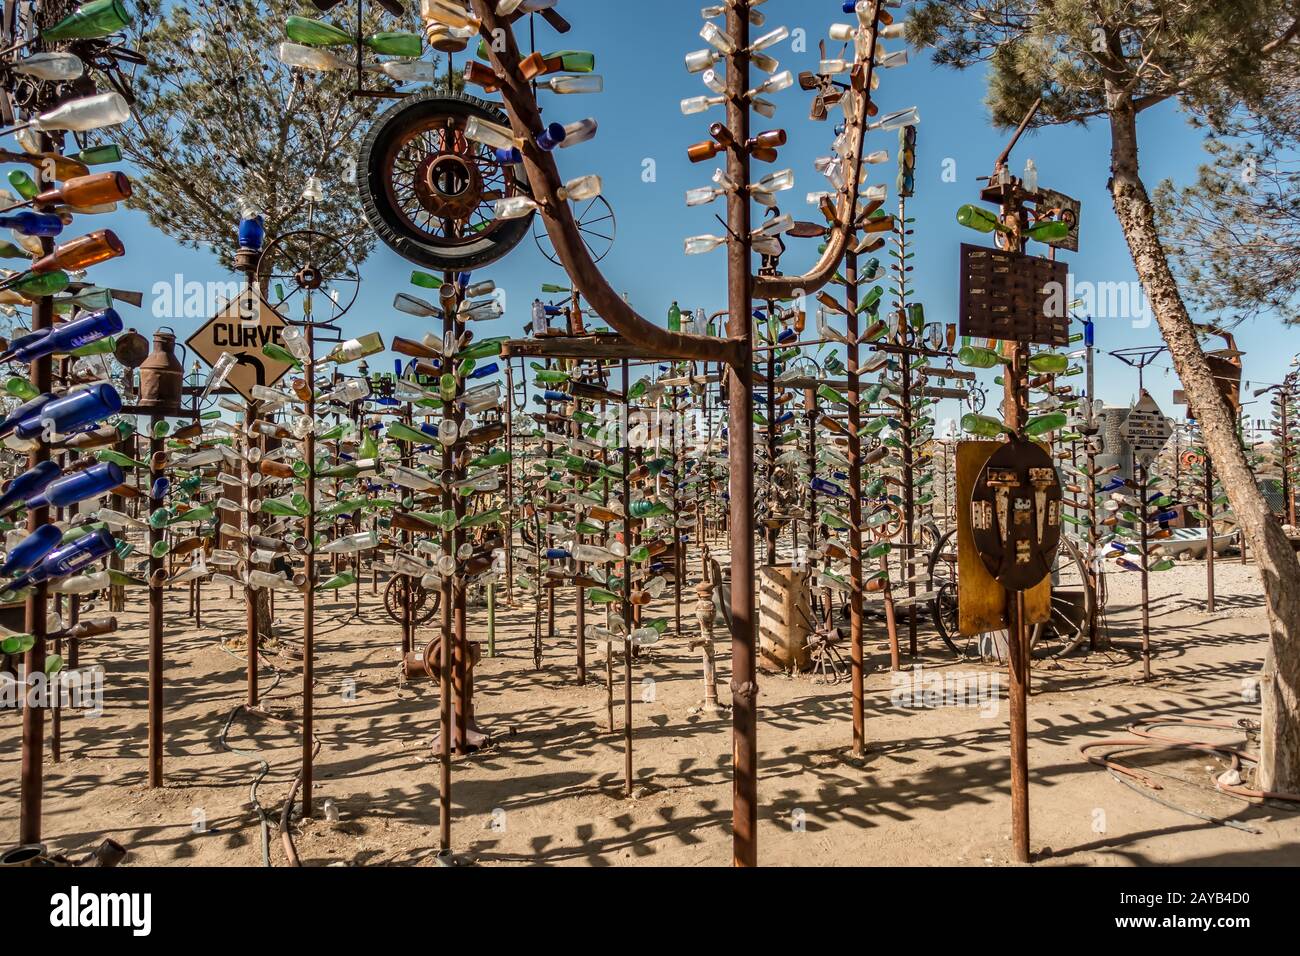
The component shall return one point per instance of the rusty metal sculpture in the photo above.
(736, 350)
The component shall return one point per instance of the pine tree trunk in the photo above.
(1278, 567)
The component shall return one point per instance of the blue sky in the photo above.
(639, 48)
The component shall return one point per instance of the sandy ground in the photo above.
(932, 788)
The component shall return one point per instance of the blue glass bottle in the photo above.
(33, 223)
(251, 233)
(30, 551)
(65, 337)
(79, 486)
(24, 411)
(551, 137)
(30, 482)
(68, 559)
(86, 407)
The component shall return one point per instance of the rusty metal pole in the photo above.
(446, 636)
(32, 772)
(510, 486)
(740, 391)
(626, 588)
(853, 390)
(1146, 598)
(155, 613)
(1018, 669)
(251, 636)
(1209, 539)
(309, 594)
(1015, 413)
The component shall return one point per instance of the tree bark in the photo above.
(1279, 767)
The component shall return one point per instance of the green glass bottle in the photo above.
(1051, 230)
(341, 580)
(982, 425)
(974, 356)
(194, 516)
(91, 21)
(40, 284)
(574, 61)
(315, 32)
(1040, 425)
(20, 388)
(488, 348)
(492, 459)
(397, 431)
(279, 508)
(396, 43)
(829, 394)
(478, 520)
(1048, 363)
(99, 155)
(979, 219)
(425, 280)
(119, 459)
(23, 184)
(602, 596)
(280, 354)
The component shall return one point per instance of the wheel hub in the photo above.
(448, 186)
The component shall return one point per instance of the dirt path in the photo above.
(931, 790)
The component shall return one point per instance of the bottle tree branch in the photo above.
(544, 178)
(846, 206)
(557, 215)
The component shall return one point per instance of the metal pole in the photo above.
(251, 636)
(627, 597)
(853, 389)
(1018, 669)
(1209, 537)
(155, 613)
(444, 655)
(309, 595)
(32, 772)
(740, 389)
(510, 486)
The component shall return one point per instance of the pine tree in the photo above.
(1234, 234)
(223, 125)
(1109, 60)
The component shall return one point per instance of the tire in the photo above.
(379, 206)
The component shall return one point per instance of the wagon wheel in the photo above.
(596, 225)
(308, 274)
(1073, 601)
(430, 193)
(892, 528)
(942, 571)
(425, 603)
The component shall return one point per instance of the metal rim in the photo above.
(595, 217)
(294, 265)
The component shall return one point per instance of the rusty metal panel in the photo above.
(1005, 295)
(981, 601)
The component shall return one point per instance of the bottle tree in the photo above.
(53, 94)
(733, 43)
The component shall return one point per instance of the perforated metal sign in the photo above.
(1013, 296)
(1015, 515)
